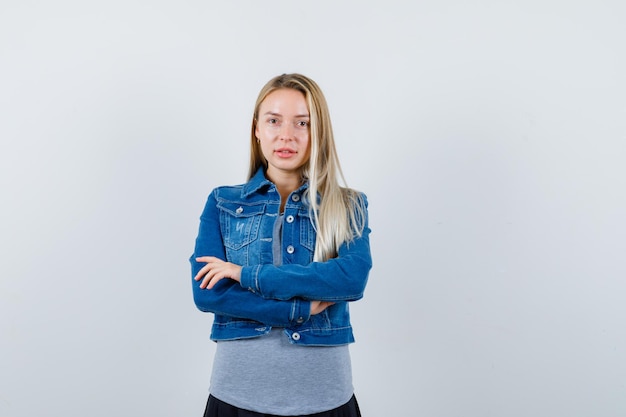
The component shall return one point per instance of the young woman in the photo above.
(277, 260)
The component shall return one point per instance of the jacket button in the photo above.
(239, 210)
(295, 336)
(290, 219)
(300, 320)
(295, 197)
(290, 249)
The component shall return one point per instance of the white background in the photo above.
(490, 137)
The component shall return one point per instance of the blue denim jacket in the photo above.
(237, 226)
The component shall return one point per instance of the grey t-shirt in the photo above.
(269, 374)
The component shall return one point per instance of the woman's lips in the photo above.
(284, 152)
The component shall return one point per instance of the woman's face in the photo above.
(282, 129)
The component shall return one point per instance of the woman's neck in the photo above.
(285, 183)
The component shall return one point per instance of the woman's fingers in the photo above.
(319, 306)
(215, 270)
(206, 268)
(210, 280)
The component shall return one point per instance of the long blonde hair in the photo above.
(339, 214)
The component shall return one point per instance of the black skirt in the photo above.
(218, 408)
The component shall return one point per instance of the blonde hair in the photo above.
(338, 216)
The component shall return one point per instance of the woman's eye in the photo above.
(272, 121)
(302, 123)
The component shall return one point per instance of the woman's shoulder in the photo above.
(354, 196)
(240, 192)
(228, 192)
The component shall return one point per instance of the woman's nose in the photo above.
(286, 131)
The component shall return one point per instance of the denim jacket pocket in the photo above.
(240, 223)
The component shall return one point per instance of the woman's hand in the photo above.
(216, 269)
(318, 306)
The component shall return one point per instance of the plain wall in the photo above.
(489, 136)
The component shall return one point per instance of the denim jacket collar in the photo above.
(259, 180)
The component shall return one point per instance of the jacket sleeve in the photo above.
(339, 279)
(228, 298)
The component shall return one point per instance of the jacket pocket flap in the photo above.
(237, 209)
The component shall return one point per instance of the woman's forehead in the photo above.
(285, 101)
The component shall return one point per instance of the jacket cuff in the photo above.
(249, 278)
(300, 311)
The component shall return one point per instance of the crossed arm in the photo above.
(216, 269)
(274, 295)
